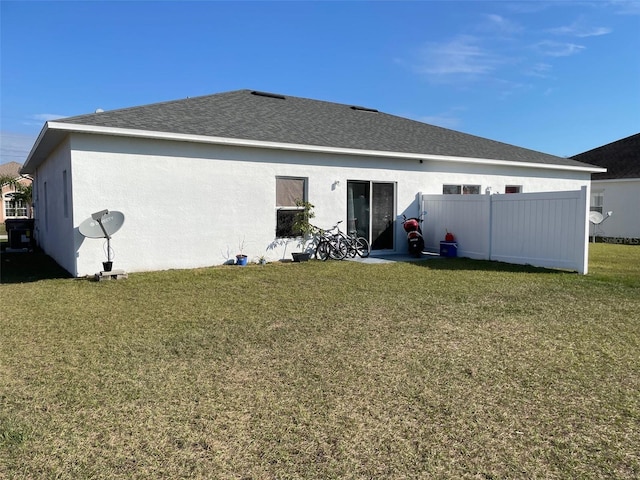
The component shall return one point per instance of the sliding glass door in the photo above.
(371, 211)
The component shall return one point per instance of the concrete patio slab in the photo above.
(395, 257)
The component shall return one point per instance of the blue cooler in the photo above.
(448, 249)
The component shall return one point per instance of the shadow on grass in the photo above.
(483, 265)
(24, 267)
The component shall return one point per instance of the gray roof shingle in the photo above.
(621, 158)
(243, 114)
(10, 169)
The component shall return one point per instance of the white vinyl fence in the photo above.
(548, 229)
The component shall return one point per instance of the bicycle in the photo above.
(329, 245)
(338, 245)
(355, 245)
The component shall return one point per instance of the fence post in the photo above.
(490, 227)
(584, 204)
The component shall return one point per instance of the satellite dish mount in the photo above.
(98, 218)
(103, 224)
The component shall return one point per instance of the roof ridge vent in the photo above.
(267, 94)
(363, 109)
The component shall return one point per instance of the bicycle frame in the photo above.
(334, 243)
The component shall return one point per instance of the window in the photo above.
(513, 189)
(461, 189)
(289, 190)
(46, 208)
(597, 202)
(64, 193)
(14, 208)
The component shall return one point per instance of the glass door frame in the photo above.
(351, 216)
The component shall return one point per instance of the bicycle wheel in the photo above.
(338, 249)
(362, 247)
(322, 250)
(351, 247)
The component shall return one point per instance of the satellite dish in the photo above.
(595, 217)
(102, 224)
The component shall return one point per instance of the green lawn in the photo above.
(448, 368)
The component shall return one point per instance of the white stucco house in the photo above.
(617, 190)
(200, 178)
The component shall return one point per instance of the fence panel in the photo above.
(548, 229)
(543, 229)
(466, 216)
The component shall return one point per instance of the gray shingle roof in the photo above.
(10, 169)
(243, 114)
(621, 158)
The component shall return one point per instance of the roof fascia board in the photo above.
(27, 164)
(126, 132)
(616, 180)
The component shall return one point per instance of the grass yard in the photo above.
(440, 369)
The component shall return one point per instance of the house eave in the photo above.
(54, 132)
(616, 180)
(40, 150)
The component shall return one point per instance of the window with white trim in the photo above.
(461, 189)
(597, 202)
(289, 192)
(14, 208)
(513, 189)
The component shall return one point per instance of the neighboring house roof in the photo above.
(246, 115)
(11, 169)
(620, 158)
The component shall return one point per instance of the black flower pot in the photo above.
(300, 256)
(107, 266)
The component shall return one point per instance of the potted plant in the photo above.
(303, 227)
(301, 256)
(241, 258)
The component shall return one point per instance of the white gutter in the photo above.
(616, 180)
(181, 137)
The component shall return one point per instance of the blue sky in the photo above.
(560, 77)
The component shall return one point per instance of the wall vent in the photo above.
(363, 109)
(267, 94)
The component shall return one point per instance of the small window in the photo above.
(597, 202)
(513, 189)
(46, 208)
(64, 194)
(461, 189)
(289, 191)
